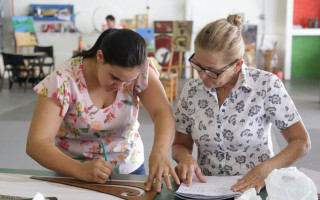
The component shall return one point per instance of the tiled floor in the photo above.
(16, 108)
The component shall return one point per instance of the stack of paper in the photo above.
(217, 187)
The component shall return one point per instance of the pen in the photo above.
(105, 155)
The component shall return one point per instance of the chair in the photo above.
(170, 84)
(16, 69)
(49, 60)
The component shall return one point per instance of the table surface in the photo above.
(165, 194)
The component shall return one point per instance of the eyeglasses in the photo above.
(210, 73)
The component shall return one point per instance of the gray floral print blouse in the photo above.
(235, 138)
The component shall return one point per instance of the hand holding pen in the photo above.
(97, 171)
(105, 155)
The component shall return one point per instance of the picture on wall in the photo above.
(148, 35)
(142, 21)
(181, 39)
(24, 32)
(249, 34)
(129, 23)
(163, 26)
(163, 50)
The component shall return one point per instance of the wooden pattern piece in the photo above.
(121, 189)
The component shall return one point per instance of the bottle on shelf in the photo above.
(80, 44)
(316, 23)
(310, 22)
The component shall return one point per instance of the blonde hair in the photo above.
(223, 35)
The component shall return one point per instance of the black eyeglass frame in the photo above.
(210, 73)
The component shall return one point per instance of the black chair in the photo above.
(49, 60)
(16, 69)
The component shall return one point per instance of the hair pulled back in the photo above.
(121, 47)
(223, 35)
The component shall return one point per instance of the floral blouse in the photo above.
(85, 126)
(236, 137)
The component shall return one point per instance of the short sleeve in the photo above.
(55, 87)
(183, 121)
(141, 82)
(280, 108)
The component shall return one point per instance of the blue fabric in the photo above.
(140, 171)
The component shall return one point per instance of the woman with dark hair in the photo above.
(93, 99)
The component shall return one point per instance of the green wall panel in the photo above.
(305, 57)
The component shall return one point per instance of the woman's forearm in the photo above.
(164, 130)
(298, 145)
(295, 150)
(179, 152)
(49, 156)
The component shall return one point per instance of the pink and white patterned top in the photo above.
(85, 126)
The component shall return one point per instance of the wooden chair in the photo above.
(16, 69)
(170, 78)
(170, 84)
(172, 67)
(176, 67)
(49, 60)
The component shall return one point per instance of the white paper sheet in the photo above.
(216, 186)
(24, 186)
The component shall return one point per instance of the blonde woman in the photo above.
(228, 113)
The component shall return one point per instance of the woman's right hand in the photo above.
(186, 168)
(97, 171)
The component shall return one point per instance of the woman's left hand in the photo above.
(253, 179)
(160, 166)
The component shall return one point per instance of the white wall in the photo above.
(205, 11)
(64, 44)
(159, 9)
(200, 11)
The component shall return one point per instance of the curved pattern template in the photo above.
(122, 189)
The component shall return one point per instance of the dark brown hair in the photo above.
(121, 47)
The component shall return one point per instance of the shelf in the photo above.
(54, 12)
(55, 34)
(67, 34)
(306, 32)
(49, 19)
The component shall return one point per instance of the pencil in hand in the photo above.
(105, 155)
